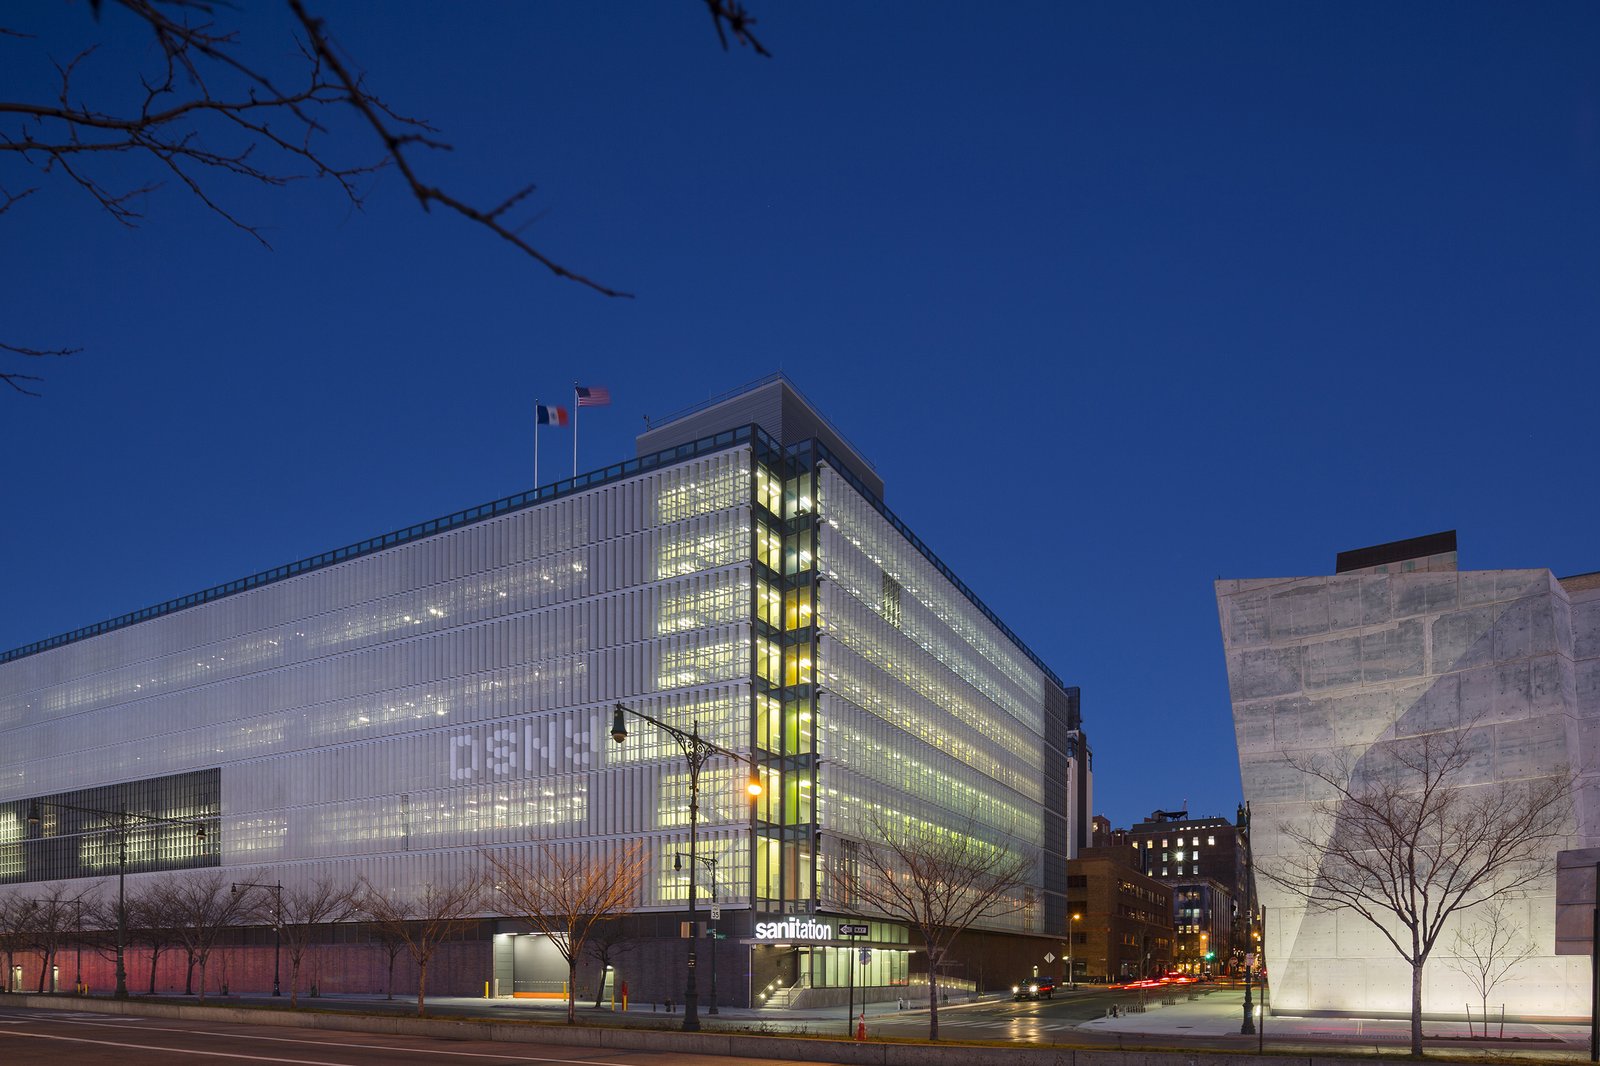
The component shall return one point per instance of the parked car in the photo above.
(1035, 988)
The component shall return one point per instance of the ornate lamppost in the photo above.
(697, 751)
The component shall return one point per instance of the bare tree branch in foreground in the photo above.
(1486, 952)
(937, 880)
(1404, 843)
(739, 23)
(566, 892)
(23, 382)
(424, 922)
(207, 111)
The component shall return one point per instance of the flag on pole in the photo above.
(550, 416)
(593, 395)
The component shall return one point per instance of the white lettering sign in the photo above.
(794, 929)
(531, 747)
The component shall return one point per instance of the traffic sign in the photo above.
(866, 956)
(716, 911)
(854, 930)
(1049, 956)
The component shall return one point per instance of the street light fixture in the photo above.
(1249, 1026)
(277, 926)
(126, 820)
(697, 751)
(1072, 973)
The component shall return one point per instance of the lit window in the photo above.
(1211, 840)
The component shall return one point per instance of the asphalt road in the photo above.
(56, 1038)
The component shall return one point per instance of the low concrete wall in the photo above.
(741, 1045)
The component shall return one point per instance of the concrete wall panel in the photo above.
(1460, 639)
(1391, 653)
(1585, 621)
(1425, 594)
(1258, 673)
(1299, 611)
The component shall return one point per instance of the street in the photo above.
(29, 1037)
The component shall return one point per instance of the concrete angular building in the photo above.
(1395, 645)
(391, 709)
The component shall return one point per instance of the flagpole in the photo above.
(536, 442)
(574, 430)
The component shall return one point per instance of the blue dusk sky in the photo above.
(1119, 299)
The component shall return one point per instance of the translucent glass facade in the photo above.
(390, 710)
(390, 715)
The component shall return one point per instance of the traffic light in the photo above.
(1210, 955)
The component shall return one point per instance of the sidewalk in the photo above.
(639, 1011)
(1221, 1013)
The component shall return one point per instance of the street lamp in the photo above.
(124, 824)
(711, 861)
(1249, 1026)
(277, 926)
(1072, 973)
(697, 751)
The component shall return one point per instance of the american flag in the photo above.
(593, 395)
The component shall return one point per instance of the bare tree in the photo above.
(202, 907)
(206, 111)
(1406, 844)
(305, 912)
(390, 942)
(150, 922)
(939, 880)
(1486, 951)
(425, 921)
(567, 892)
(609, 941)
(49, 921)
(15, 911)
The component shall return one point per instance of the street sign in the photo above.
(866, 956)
(854, 930)
(1049, 956)
(716, 911)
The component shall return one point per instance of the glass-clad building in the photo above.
(392, 709)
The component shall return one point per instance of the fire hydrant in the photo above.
(861, 1026)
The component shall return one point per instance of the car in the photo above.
(1035, 988)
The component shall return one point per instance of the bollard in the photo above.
(861, 1026)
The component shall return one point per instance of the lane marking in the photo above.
(177, 1051)
(339, 1044)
